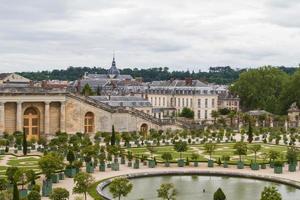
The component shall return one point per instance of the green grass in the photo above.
(93, 191)
(221, 149)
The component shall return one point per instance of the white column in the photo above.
(19, 116)
(47, 118)
(2, 117)
(62, 116)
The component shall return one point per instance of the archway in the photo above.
(31, 123)
(89, 122)
(144, 129)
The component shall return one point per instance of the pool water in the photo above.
(191, 188)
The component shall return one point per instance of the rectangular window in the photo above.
(199, 114)
(213, 103)
(206, 102)
(205, 116)
(158, 101)
(178, 102)
(182, 102)
(163, 101)
(155, 99)
(199, 103)
(187, 102)
(191, 103)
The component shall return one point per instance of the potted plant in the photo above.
(240, 149)
(195, 158)
(102, 158)
(31, 176)
(49, 164)
(255, 148)
(129, 157)
(136, 164)
(151, 162)
(77, 164)
(210, 148)
(291, 156)
(109, 160)
(278, 165)
(20, 177)
(180, 147)
(167, 157)
(273, 155)
(70, 170)
(225, 159)
(144, 158)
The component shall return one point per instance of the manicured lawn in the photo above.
(221, 149)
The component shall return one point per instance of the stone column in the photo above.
(2, 117)
(62, 116)
(19, 116)
(47, 118)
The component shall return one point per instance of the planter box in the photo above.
(136, 165)
(61, 176)
(129, 164)
(240, 165)
(151, 163)
(277, 170)
(196, 164)
(70, 172)
(180, 163)
(102, 167)
(108, 165)
(254, 166)
(2, 151)
(123, 161)
(115, 167)
(225, 164)
(210, 163)
(55, 178)
(23, 193)
(89, 167)
(116, 160)
(292, 167)
(263, 166)
(167, 164)
(47, 188)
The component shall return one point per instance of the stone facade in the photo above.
(48, 112)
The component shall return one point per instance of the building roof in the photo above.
(127, 101)
(294, 108)
(4, 75)
(178, 83)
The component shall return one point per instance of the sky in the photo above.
(191, 34)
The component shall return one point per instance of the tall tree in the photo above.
(270, 193)
(82, 182)
(120, 187)
(24, 144)
(113, 136)
(166, 191)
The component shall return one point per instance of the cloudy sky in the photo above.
(191, 34)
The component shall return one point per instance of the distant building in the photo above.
(112, 83)
(12, 79)
(294, 115)
(54, 84)
(174, 95)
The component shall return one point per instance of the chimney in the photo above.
(188, 81)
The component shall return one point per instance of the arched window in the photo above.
(89, 122)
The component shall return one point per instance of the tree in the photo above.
(34, 195)
(87, 90)
(209, 148)
(292, 155)
(71, 157)
(167, 157)
(50, 163)
(270, 193)
(240, 149)
(24, 144)
(59, 194)
(219, 195)
(215, 114)
(180, 147)
(120, 187)
(82, 183)
(187, 113)
(273, 155)
(166, 191)
(261, 89)
(113, 136)
(255, 148)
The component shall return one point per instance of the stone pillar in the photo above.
(19, 116)
(47, 118)
(62, 116)
(2, 117)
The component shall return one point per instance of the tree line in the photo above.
(218, 75)
(268, 88)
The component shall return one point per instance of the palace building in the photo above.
(43, 111)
